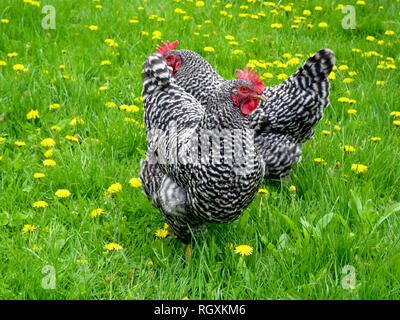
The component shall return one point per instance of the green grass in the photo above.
(301, 241)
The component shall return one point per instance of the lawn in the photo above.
(71, 111)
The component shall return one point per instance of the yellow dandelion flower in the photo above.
(348, 148)
(54, 106)
(343, 99)
(38, 175)
(396, 123)
(113, 246)
(156, 35)
(161, 233)
(267, 75)
(111, 43)
(351, 111)
(244, 250)
(326, 132)
(370, 38)
(40, 204)
(337, 128)
(110, 104)
(209, 49)
(105, 63)
(76, 121)
(293, 62)
(292, 189)
(48, 142)
(72, 138)
(263, 192)
(389, 32)
(32, 115)
(380, 83)
(49, 153)
(2, 63)
(282, 76)
(96, 212)
(359, 168)
(319, 160)
(287, 8)
(55, 128)
(348, 80)
(20, 143)
(135, 182)
(63, 193)
(5, 21)
(114, 188)
(49, 163)
(322, 25)
(18, 67)
(276, 25)
(93, 28)
(131, 108)
(395, 114)
(28, 228)
(376, 139)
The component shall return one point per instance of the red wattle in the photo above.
(235, 99)
(249, 106)
(177, 65)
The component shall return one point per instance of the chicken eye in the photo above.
(244, 89)
(169, 58)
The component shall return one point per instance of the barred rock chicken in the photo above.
(284, 121)
(201, 164)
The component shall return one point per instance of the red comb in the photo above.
(167, 47)
(252, 77)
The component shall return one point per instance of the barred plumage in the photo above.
(193, 172)
(292, 108)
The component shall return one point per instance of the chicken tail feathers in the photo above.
(315, 71)
(156, 73)
(296, 106)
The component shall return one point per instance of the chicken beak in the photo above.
(258, 97)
